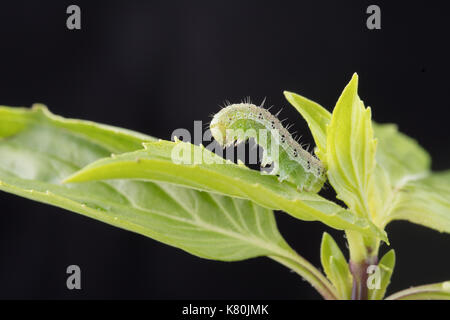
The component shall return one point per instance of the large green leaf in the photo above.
(38, 150)
(208, 172)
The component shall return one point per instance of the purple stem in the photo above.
(360, 275)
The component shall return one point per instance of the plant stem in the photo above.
(361, 257)
(309, 273)
(359, 271)
(356, 246)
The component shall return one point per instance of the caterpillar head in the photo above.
(221, 123)
(218, 129)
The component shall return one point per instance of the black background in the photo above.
(157, 66)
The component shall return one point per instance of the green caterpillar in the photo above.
(239, 122)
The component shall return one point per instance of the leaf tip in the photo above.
(446, 285)
(40, 107)
(353, 84)
(287, 94)
(70, 179)
(385, 238)
(326, 237)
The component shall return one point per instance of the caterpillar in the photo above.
(242, 121)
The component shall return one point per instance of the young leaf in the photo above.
(317, 118)
(435, 291)
(400, 189)
(425, 202)
(208, 172)
(336, 267)
(351, 150)
(386, 266)
(38, 150)
(351, 159)
(401, 156)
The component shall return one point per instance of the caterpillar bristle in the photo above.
(278, 113)
(246, 100)
(262, 103)
(308, 146)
